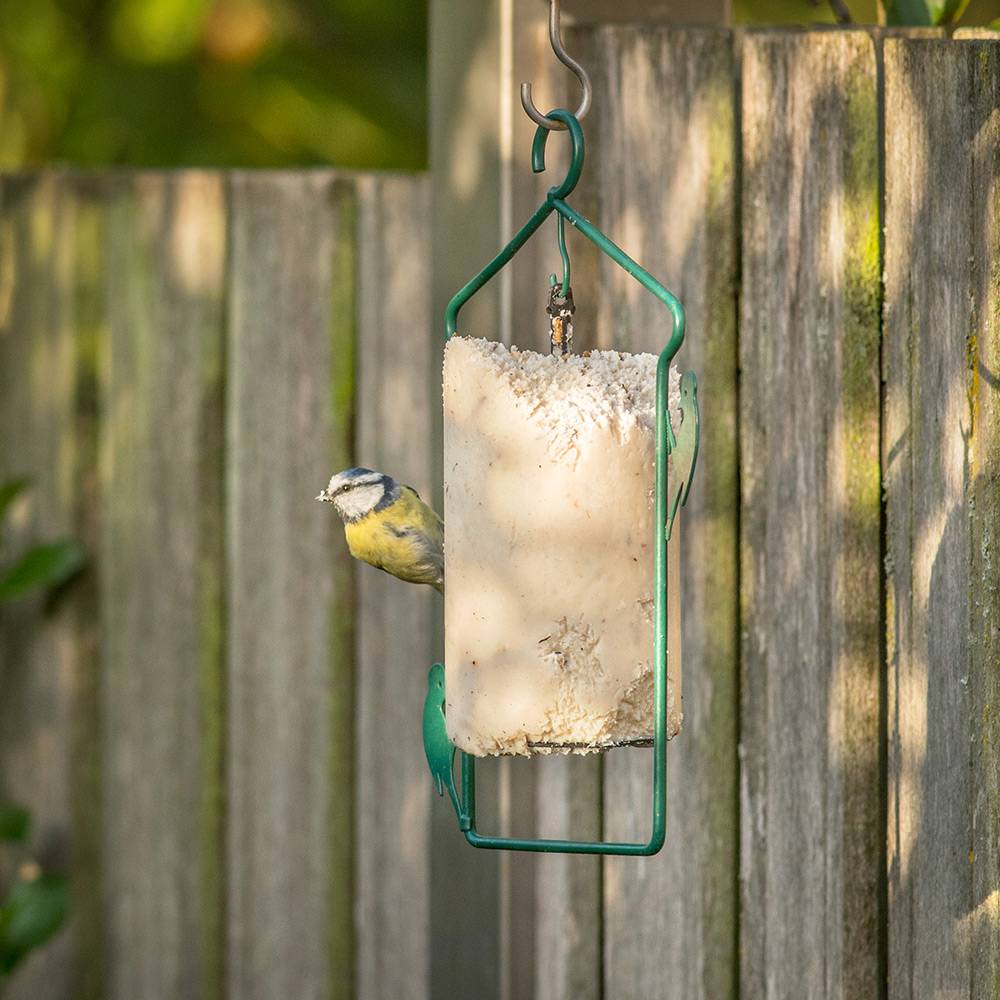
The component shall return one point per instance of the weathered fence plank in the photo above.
(394, 788)
(160, 584)
(40, 648)
(342, 755)
(482, 191)
(568, 890)
(283, 884)
(666, 167)
(809, 334)
(941, 412)
(86, 923)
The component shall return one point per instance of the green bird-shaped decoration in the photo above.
(685, 451)
(439, 749)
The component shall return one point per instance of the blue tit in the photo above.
(388, 525)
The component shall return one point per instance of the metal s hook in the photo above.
(570, 63)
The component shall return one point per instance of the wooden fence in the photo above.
(218, 727)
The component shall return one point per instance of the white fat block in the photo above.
(549, 473)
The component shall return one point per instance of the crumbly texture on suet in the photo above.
(549, 483)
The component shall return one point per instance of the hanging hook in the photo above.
(568, 61)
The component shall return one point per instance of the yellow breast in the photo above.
(405, 539)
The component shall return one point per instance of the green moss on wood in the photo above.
(340, 765)
(211, 604)
(85, 798)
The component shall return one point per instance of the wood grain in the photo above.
(342, 752)
(568, 887)
(160, 583)
(394, 787)
(942, 102)
(281, 604)
(87, 926)
(809, 334)
(663, 148)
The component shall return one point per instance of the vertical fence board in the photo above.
(281, 598)
(160, 592)
(394, 619)
(85, 798)
(342, 752)
(983, 493)
(40, 654)
(568, 887)
(464, 42)
(666, 164)
(942, 106)
(809, 334)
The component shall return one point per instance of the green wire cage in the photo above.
(681, 448)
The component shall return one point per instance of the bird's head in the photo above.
(356, 493)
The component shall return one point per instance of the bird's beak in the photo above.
(325, 495)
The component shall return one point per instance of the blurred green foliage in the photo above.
(42, 566)
(36, 903)
(264, 83)
(925, 13)
(908, 13)
(31, 911)
(799, 12)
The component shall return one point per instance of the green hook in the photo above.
(576, 154)
(573, 175)
(553, 201)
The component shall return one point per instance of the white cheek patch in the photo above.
(357, 502)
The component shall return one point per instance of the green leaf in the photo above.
(9, 491)
(32, 912)
(911, 13)
(43, 566)
(14, 822)
(951, 12)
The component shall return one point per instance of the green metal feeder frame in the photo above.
(684, 449)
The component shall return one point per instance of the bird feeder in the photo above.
(563, 477)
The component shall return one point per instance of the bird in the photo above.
(388, 526)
